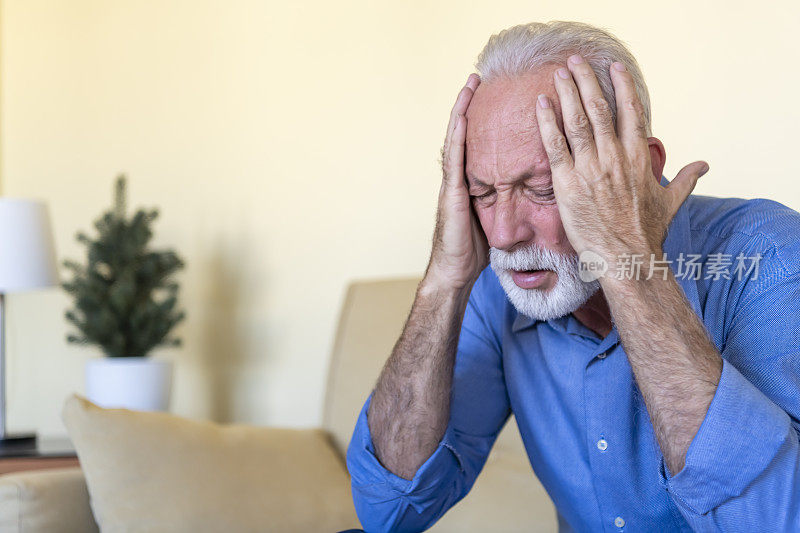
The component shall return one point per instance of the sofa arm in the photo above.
(55, 501)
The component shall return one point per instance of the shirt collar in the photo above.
(678, 241)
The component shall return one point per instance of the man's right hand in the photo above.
(460, 251)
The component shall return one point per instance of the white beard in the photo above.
(567, 295)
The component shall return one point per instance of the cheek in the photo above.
(557, 233)
(485, 216)
(548, 218)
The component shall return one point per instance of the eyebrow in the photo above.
(527, 174)
(473, 180)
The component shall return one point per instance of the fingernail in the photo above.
(544, 102)
(704, 169)
(619, 66)
(562, 73)
(576, 59)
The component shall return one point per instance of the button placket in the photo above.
(597, 378)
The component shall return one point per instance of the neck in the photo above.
(595, 314)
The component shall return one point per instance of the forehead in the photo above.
(503, 138)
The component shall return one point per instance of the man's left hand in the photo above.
(609, 200)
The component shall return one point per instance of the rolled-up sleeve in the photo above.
(479, 408)
(387, 502)
(742, 468)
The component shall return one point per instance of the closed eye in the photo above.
(484, 195)
(543, 195)
(484, 199)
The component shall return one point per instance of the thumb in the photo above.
(682, 186)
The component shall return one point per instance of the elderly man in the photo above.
(646, 340)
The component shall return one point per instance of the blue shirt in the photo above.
(582, 418)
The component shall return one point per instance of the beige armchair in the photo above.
(507, 497)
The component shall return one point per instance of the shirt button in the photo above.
(602, 445)
(619, 522)
(602, 355)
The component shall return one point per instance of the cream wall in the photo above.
(293, 146)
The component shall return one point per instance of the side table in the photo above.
(48, 453)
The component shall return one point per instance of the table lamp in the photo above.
(27, 261)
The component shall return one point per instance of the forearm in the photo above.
(410, 406)
(675, 364)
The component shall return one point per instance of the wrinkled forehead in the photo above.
(502, 131)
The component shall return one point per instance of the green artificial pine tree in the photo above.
(125, 297)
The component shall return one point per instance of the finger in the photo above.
(463, 96)
(577, 127)
(631, 120)
(554, 142)
(473, 80)
(597, 107)
(459, 109)
(453, 164)
(684, 183)
(462, 102)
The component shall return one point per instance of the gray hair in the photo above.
(525, 47)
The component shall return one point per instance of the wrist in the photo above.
(440, 288)
(630, 290)
(632, 266)
(442, 279)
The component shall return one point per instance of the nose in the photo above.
(509, 225)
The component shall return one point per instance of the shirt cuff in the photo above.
(377, 485)
(738, 438)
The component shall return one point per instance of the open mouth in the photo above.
(529, 279)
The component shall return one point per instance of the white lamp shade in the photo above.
(27, 253)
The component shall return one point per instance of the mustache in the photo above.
(531, 257)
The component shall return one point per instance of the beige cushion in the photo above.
(45, 501)
(157, 472)
(371, 320)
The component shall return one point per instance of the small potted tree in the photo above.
(125, 303)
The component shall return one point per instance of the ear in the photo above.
(658, 157)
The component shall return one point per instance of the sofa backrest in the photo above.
(507, 496)
(370, 321)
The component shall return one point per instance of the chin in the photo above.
(567, 295)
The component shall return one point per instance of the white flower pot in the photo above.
(138, 383)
